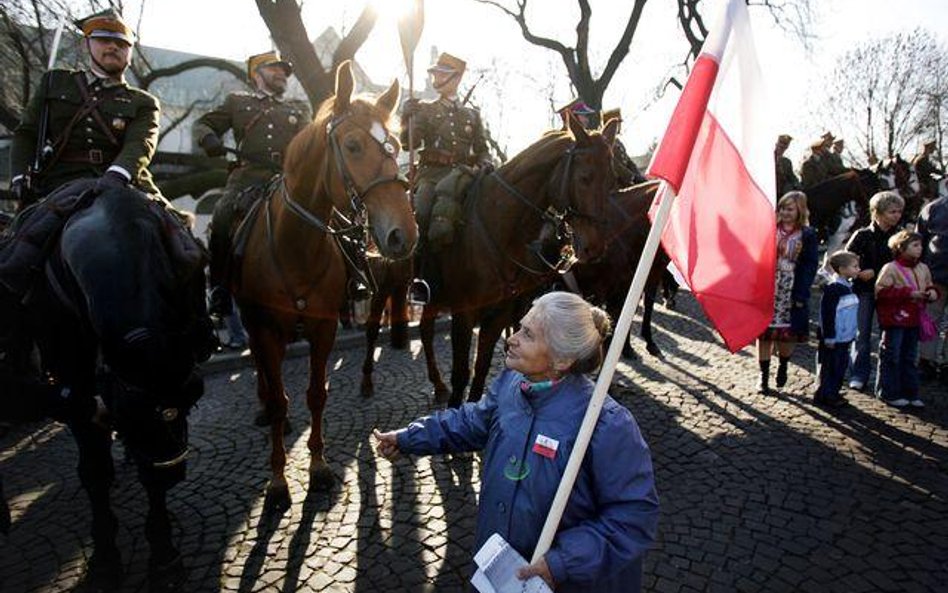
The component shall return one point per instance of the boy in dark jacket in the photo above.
(839, 307)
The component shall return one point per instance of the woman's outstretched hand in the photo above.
(387, 445)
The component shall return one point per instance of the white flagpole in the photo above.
(666, 195)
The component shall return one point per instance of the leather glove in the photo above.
(111, 180)
(410, 107)
(212, 145)
(487, 167)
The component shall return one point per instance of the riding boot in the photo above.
(782, 371)
(219, 247)
(763, 386)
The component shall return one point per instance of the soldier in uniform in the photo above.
(786, 178)
(583, 113)
(626, 171)
(925, 169)
(834, 158)
(813, 169)
(263, 123)
(453, 143)
(96, 124)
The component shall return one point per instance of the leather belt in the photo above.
(93, 156)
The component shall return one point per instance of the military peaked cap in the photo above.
(270, 58)
(611, 114)
(577, 106)
(448, 64)
(784, 138)
(107, 24)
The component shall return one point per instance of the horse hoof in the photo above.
(103, 573)
(629, 354)
(441, 395)
(321, 479)
(654, 350)
(166, 576)
(277, 498)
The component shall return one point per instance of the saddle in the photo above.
(451, 194)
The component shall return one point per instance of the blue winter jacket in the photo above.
(612, 515)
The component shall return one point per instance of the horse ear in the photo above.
(611, 131)
(344, 86)
(388, 101)
(579, 132)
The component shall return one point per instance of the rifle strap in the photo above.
(90, 106)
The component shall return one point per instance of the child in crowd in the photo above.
(903, 288)
(839, 307)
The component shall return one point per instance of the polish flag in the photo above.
(717, 155)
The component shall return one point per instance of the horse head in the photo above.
(347, 158)
(142, 306)
(581, 183)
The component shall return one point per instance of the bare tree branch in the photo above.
(146, 79)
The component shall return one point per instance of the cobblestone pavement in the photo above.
(758, 493)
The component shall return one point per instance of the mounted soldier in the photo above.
(626, 171)
(453, 149)
(834, 158)
(786, 178)
(87, 123)
(926, 170)
(813, 170)
(263, 123)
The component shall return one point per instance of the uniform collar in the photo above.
(92, 78)
(450, 101)
(262, 94)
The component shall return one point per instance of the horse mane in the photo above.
(548, 148)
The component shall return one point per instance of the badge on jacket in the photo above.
(546, 446)
(118, 123)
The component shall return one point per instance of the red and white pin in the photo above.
(546, 446)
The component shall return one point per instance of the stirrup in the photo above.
(419, 293)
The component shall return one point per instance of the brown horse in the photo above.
(292, 277)
(562, 180)
(606, 281)
(826, 200)
(391, 281)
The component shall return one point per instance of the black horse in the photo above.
(117, 312)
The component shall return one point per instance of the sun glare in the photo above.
(391, 10)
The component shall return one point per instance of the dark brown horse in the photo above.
(899, 175)
(293, 275)
(562, 178)
(826, 200)
(606, 281)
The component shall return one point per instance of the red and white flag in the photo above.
(717, 154)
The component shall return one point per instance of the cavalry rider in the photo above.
(626, 171)
(453, 146)
(813, 170)
(834, 158)
(96, 124)
(786, 178)
(926, 170)
(263, 123)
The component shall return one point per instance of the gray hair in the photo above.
(574, 329)
(884, 200)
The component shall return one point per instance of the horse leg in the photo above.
(268, 352)
(462, 332)
(96, 473)
(399, 318)
(165, 569)
(372, 325)
(651, 288)
(426, 330)
(320, 344)
(487, 337)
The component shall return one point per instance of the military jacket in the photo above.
(122, 131)
(625, 169)
(834, 164)
(263, 126)
(448, 133)
(786, 178)
(813, 171)
(924, 168)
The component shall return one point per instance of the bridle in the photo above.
(350, 229)
(557, 214)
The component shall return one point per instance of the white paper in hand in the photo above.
(497, 565)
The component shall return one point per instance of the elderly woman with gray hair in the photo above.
(526, 426)
(871, 244)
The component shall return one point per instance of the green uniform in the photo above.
(119, 131)
(263, 126)
(626, 171)
(834, 164)
(450, 135)
(786, 178)
(813, 170)
(924, 169)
